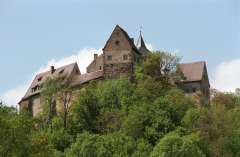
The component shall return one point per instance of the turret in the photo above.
(141, 45)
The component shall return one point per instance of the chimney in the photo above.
(95, 56)
(132, 40)
(52, 69)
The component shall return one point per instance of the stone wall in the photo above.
(36, 105)
(97, 64)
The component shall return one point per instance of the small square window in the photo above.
(109, 58)
(125, 57)
(117, 42)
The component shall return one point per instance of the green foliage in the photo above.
(14, 130)
(153, 121)
(175, 145)
(115, 94)
(85, 112)
(117, 145)
(41, 147)
(160, 65)
(119, 118)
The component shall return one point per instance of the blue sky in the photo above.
(33, 32)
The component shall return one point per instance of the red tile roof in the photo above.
(80, 79)
(41, 77)
(192, 71)
(65, 71)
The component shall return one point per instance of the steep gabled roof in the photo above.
(141, 45)
(126, 36)
(35, 87)
(193, 71)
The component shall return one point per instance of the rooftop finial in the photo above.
(140, 30)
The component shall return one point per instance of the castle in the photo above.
(119, 56)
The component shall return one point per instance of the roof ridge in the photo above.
(127, 37)
(40, 73)
(194, 62)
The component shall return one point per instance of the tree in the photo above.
(57, 91)
(14, 132)
(41, 146)
(49, 93)
(175, 145)
(85, 112)
(117, 145)
(160, 65)
(152, 120)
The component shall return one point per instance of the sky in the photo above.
(35, 34)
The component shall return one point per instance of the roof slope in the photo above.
(64, 71)
(41, 77)
(193, 71)
(126, 36)
(141, 45)
(80, 79)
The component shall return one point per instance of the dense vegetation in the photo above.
(144, 117)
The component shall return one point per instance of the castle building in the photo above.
(120, 54)
(195, 78)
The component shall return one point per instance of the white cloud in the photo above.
(227, 76)
(13, 96)
(83, 58)
(150, 46)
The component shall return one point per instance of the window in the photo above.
(125, 57)
(61, 71)
(117, 42)
(34, 89)
(39, 87)
(100, 67)
(109, 58)
(39, 79)
(77, 71)
(194, 90)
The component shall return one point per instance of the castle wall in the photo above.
(97, 64)
(192, 87)
(36, 106)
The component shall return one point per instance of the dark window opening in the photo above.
(194, 90)
(109, 58)
(100, 67)
(125, 57)
(117, 42)
(34, 89)
(61, 71)
(39, 79)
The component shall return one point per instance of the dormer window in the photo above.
(60, 72)
(34, 89)
(39, 79)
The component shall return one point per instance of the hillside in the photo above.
(145, 116)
